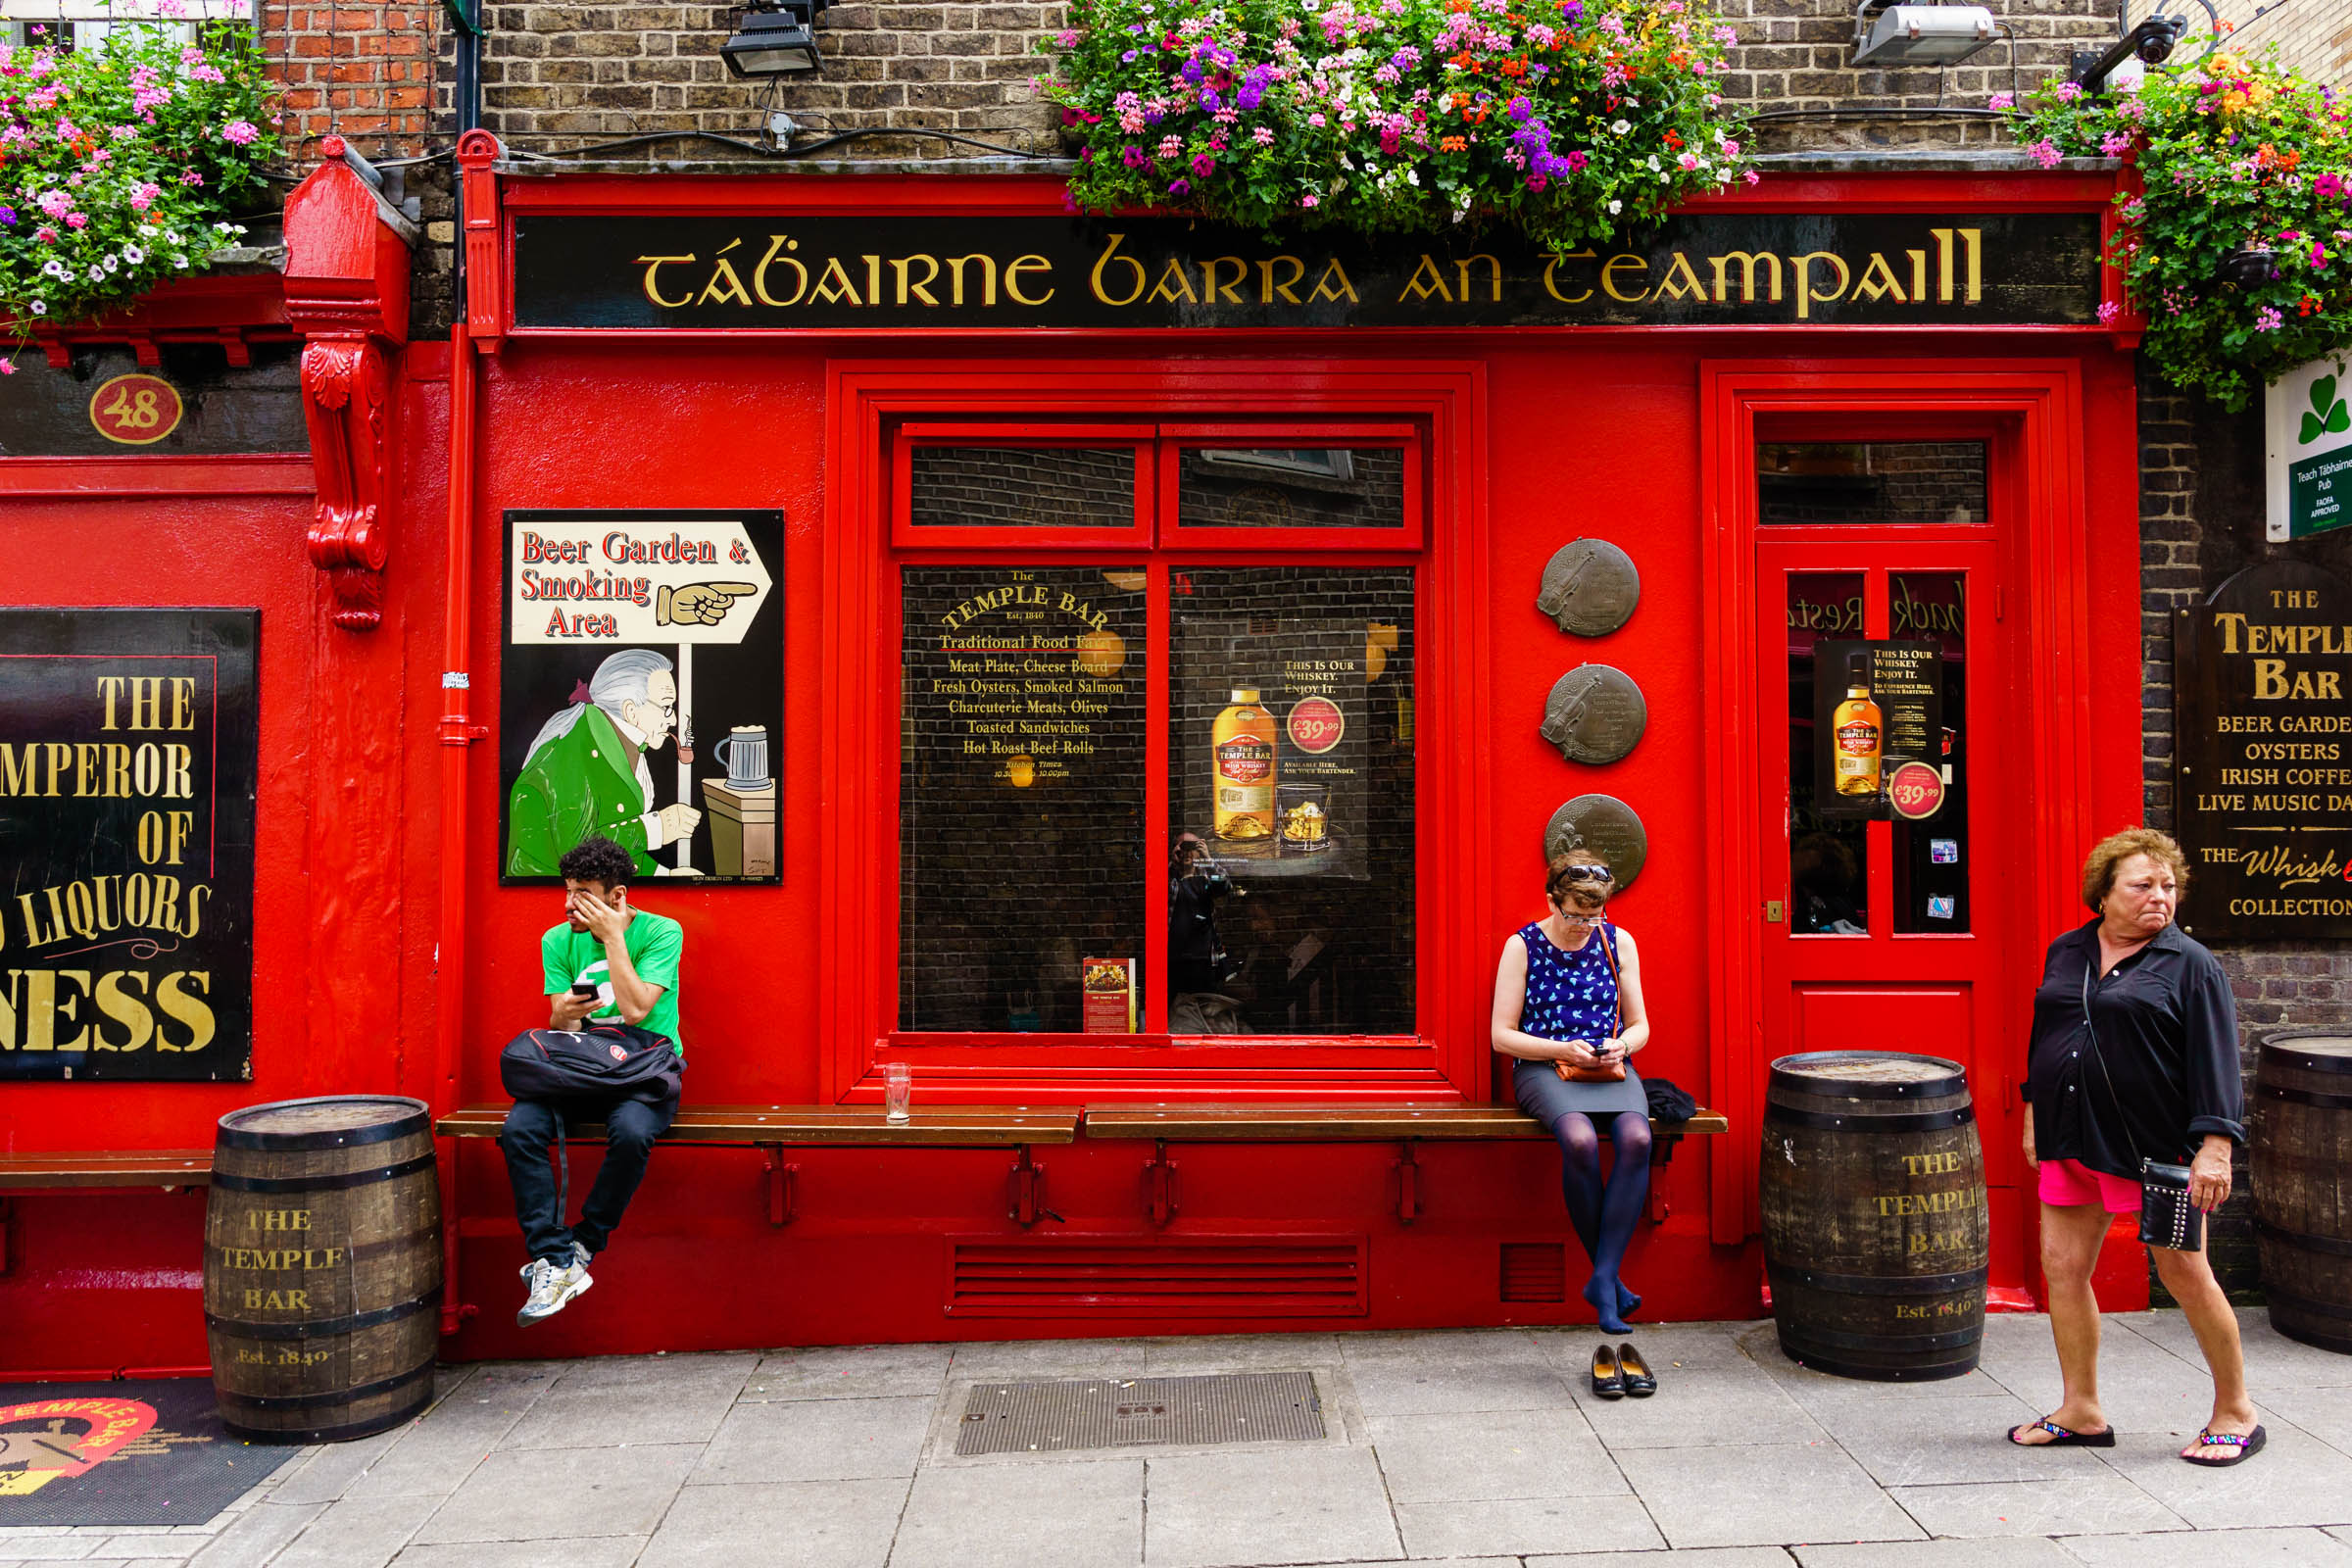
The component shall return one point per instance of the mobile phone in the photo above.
(583, 989)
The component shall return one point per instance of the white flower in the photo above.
(40, 306)
(1615, 206)
(56, 269)
(1621, 128)
(179, 261)
(134, 255)
(1412, 176)
(112, 263)
(97, 274)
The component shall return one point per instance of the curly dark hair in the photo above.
(599, 860)
(2108, 856)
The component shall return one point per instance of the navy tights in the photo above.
(1604, 1213)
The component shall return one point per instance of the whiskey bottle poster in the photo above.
(641, 692)
(2264, 792)
(1878, 729)
(1308, 680)
(127, 767)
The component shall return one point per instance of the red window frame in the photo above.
(1295, 403)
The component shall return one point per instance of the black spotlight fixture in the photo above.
(774, 38)
(2247, 268)
(2152, 41)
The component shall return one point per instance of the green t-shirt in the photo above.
(655, 943)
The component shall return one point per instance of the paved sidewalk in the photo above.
(1478, 1447)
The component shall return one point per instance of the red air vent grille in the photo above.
(1535, 1271)
(1197, 1277)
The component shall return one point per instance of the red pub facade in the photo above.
(976, 518)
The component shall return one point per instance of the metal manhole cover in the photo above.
(1128, 1412)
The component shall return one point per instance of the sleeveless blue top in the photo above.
(1570, 996)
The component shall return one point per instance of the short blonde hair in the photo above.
(1587, 893)
(2110, 852)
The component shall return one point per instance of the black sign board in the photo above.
(127, 760)
(1882, 753)
(899, 271)
(641, 692)
(103, 403)
(2264, 732)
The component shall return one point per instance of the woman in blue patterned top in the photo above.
(1559, 1000)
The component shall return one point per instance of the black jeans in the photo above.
(630, 1128)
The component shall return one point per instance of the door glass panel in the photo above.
(1829, 861)
(1931, 856)
(1870, 481)
(1290, 760)
(1291, 487)
(1023, 487)
(1020, 792)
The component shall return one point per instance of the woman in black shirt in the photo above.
(2134, 1055)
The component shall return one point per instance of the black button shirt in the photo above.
(2166, 1032)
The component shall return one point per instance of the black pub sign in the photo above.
(2264, 756)
(126, 835)
(1728, 267)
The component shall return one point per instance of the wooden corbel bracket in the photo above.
(344, 386)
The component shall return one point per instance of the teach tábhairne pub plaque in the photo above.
(2265, 739)
(127, 825)
(630, 634)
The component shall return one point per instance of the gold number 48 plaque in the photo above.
(136, 411)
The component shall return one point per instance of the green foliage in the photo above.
(2237, 156)
(118, 165)
(1566, 119)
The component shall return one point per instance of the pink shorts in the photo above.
(2070, 1184)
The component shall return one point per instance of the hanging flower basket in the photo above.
(119, 165)
(1566, 119)
(2239, 247)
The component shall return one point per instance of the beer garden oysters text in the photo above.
(1566, 119)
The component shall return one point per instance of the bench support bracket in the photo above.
(1408, 1184)
(1025, 1191)
(1160, 1185)
(783, 1186)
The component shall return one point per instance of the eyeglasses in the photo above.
(1579, 922)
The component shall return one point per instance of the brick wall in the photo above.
(2314, 36)
(2201, 522)
(361, 68)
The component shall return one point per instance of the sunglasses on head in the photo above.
(1586, 873)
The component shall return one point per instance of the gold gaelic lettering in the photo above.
(1013, 279)
(1094, 279)
(1174, 273)
(777, 243)
(1214, 292)
(1944, 264)
(1493, 276)
(1747, 261)
(988, 276)
(922, 287)
(1609, 278)
(1973, 241)
(873, 280)
(1806, 298)
(654, 264)
(835, 287)
(1552, 286)
(1878, 282)
(1681, 283)
(1426, 283)
(1267, 288)
(734, 292)
(1324, 289)
(1919, 276)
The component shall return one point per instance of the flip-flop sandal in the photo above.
(2248, 1444)
(2061, 1438)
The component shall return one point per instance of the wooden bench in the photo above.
(1401, 1124)
(771, 1129)
(168, 1169)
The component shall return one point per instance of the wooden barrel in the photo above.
(323, 1267)
(1875, 1230)
(2303, 1183)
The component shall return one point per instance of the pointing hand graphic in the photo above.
(698, 604)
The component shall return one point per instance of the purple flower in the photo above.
(1179, 187)
(1211, 102)
(1519, 108)
(2328, 187)
(1203, 164)
(1136, 158)
(8, 217)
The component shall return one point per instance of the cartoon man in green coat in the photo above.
(585, 772)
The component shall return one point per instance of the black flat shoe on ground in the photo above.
(1607, 1381)
(1640, 1381)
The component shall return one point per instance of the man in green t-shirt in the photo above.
(610, 964)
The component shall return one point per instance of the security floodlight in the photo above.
(1920, 35)
(773, 38)
(2249, 267)
(2148, 44)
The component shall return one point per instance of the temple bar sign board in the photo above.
(896, 270)
(628, 635)
(128, 763)
(2264, 788)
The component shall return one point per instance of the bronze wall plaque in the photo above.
(2264, 735)
(1595, 715)
(1590, 587)
(1605, 825)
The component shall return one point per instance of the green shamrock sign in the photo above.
(2328, 414)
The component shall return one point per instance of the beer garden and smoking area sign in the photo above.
(127, 767)
(2264, 788)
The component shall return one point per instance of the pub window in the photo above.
(1870, 481)
(1069, 712)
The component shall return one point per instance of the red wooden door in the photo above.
(1893, 935)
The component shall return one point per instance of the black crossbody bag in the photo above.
(2167, 1218)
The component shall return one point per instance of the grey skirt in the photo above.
(1547, 1097)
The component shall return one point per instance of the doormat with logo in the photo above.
(122, 1453)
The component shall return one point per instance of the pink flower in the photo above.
(2001, 100)
(1264, 136)
(2108, 312)
(2115, 144)
(1753, 177)
(241, 131)
(144, 196)
(1311, 200)
(8, 366)
(2069, 91)
(2268, 319)
(45, 235)
(2044, 152)
(56, 203)
(78, 220)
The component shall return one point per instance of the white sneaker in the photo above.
(579, 1255)
(552, 1288)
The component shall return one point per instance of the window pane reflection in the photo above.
(1829, 861)
(1870, 481)
(1286, 487)
(1291, 768)
(1021, 794)
(1023, 487)
(1931, 857)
